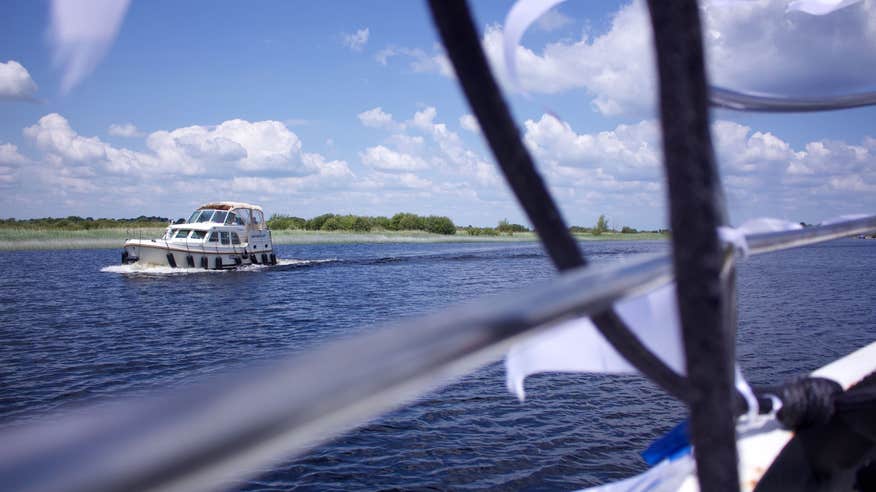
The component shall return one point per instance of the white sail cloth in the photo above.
(577, 346)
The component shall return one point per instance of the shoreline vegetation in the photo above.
(88, 233)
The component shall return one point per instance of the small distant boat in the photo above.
(217, 236)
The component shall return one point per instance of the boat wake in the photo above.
(143, 269)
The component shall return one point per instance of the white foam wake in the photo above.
(146, 269)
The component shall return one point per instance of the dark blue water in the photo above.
(71, 333)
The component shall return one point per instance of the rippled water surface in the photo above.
(75, 328)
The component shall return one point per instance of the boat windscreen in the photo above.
(220, 216)
(206, 215)
(194, 216)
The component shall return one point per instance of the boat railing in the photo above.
(211, 435)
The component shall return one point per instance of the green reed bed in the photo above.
(30, 238)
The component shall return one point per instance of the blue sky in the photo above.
(314, 107)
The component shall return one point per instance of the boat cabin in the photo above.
(231, 224)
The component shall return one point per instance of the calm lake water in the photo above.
(73, 331)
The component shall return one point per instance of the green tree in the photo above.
(361, 224)
(601, 225)
(332, 223)
(407, 222)
(316, 223)
(278, 222)
(507, 227)
(439, 225)
(381, 222)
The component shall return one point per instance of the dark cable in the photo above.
(460, 38)
(695, 213)
(457, 29)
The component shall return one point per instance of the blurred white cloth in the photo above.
(577, 346)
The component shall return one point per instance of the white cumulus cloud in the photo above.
(234, 147)
(15, 82)
(377, 118)
(385, 159)
(470, 123)
(9, 155)
(619, 171)
(10, 161)
(124, 130)
(357, 40)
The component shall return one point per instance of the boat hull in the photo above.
(162, 253)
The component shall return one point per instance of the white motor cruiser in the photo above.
(218, 235)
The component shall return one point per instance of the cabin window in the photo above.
(219, 217)
(206, 215)
(182, 233)
(198, 234)
(235, 239)
(258, 219)
(194, 216)
(214, 237)
(243, 216)
(224, 236)
(234, 219)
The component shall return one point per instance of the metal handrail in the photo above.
(748, 101)
(212, 434)
(775, 241)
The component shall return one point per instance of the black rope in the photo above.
(460, 38)
(834, 442)
(695, 213)
(457, 29)
(807, 402)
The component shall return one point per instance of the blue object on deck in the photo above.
(668, 446)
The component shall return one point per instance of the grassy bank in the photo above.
(23, 239)
(17, 238)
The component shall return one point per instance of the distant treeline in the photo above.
(325, 222)
(361, 223)
(602, 226)
(504, 227)
(76, 223)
